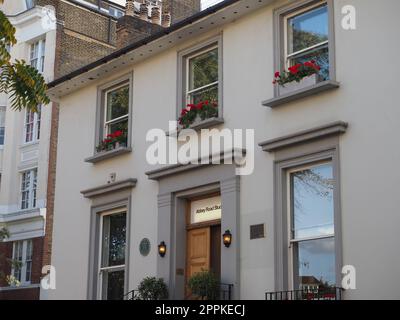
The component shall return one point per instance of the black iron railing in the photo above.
(306, 294)
(226, 291)
(132, 295)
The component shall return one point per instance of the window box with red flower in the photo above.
(298, 77)
(195, 114)
(112, 141)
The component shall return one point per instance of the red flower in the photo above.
(184, 111)
(274, 82)
(277, 74)
(107, 140)
(118, 133)
(311, 64)
(295, 69)
(206, 102)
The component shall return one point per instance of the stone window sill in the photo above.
(108, 154)
(302, 93)
(207, 123)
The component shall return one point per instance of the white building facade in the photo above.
(323, 193)
(24, 150)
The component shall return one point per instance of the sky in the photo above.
(204, 3)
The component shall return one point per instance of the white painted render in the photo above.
(17, 156)
(366, 99)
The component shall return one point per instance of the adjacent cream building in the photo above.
(24, 155)
(324, 190)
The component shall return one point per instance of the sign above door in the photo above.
(205, 210)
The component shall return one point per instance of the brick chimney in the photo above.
(155, 15)
(130, 8)
(136, 24)
(144, 11)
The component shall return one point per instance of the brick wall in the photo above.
(51, 186)
(131, 29)
(83, 35)
(21, 294)
(181, 9)
(5, 253)
(37, 257)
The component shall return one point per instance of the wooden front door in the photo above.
(198, 251)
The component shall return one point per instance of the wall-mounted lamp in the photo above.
(227, 238)
(162, 249)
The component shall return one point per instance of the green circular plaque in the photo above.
(144, 247)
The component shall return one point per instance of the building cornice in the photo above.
(110, 187)
(21, 215)
(331, 129)
(27, 16)
(225, 157)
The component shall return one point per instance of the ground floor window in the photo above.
(22, 261)
(111, 282)
(311, 227)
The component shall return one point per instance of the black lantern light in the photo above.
(227, 238)
(162, 249)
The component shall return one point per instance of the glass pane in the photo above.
(113, 285)
(117, 103)
(210, 94)
(34, 50)
(203, 69)
(312, 202)
(114, 239)
(308, 29)
(2, 116)
(38, 121)
(29, 250)
(28, 272)
(2, 130)
(321, 57)
(315, 264)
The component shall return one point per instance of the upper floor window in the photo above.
(200, 89)
(29, 4)
(202, 76)
(304, 62)
(307, 37)
(117, 111)
(37, 53)
(22, 255)
(32, 125)
(28, 189)
(2, 124)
